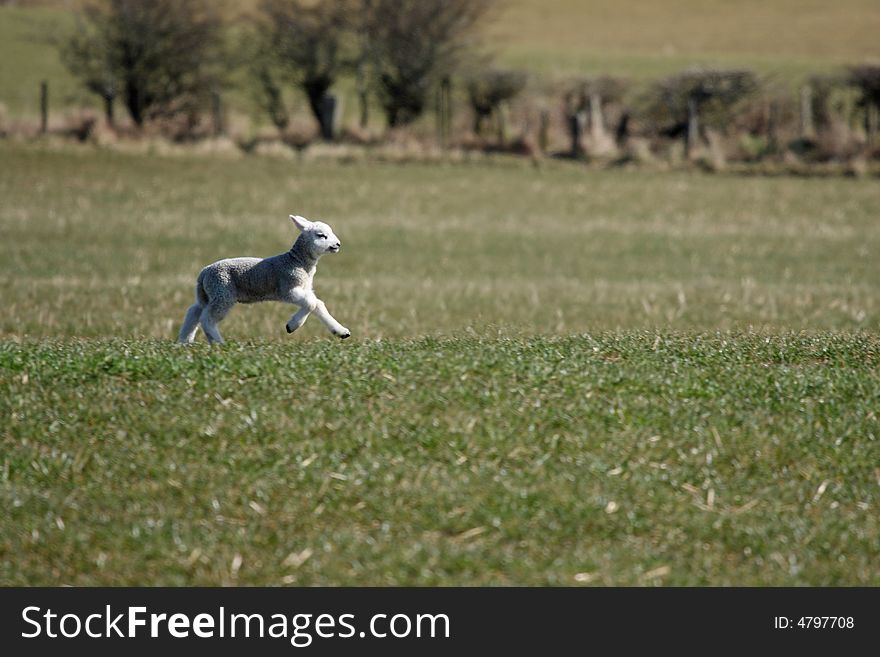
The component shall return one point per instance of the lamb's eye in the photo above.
(321, 236)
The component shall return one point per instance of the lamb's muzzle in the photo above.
(286, 277)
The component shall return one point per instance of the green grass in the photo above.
(640, 458)
(557, 376)
(97, 243)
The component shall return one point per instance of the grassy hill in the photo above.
(29, 56)
(642, 39)
(555, 39)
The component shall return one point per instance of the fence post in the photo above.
(871, 123)
(576, 117)
(217, 113)
(772, 126)
(622, 133)
(44, 107)
(544, 130)
(692, 136)
(329, 110)
(439, 115)
(807, 131)
(597, 124)
(108, 110)
(444, 112)
(362, 93)
(501, 123)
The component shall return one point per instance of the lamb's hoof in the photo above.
(289, 330)
(345, 334)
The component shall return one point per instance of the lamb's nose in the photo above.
(338, 245)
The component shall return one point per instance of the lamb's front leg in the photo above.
(309, 303)
(299, 297)
(298, 319)
(330, 322)
(300, 316)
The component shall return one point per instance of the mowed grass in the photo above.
(642, 458)
(557, 376)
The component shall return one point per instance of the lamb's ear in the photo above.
(301, 222)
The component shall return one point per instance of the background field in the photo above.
(557, 376)
(645, 39)
(100, 243)
(554, 39)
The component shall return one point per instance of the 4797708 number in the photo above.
(814, 622)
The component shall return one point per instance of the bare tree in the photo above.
(822, 89)
(697, 95)
(597, 94)
(585, 103)
(866, 78)
(488, 91)
(310, 41)
(254, 55)
(362, 15)
(87, 56)
(414, 44)
(161, 56)
(270, 95)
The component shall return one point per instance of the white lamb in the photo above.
(286, 277)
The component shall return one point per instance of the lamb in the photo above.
(285, 277)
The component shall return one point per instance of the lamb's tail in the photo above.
(201, 295)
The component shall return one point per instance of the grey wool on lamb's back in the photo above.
(286, 277)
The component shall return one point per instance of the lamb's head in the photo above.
(319, 237)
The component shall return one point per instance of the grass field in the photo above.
(101, 244)
(639, 39)
(557, 376)
(638, 458)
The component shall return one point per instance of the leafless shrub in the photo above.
(488, 90)
(90, 61)
(765, 124)
(588, 102)
(161, 57)
(79, 125)
(866, 79)
(823, 90)
(269, 94)
(836, 143)
(682, 104)
(413, 44)
(309, 41)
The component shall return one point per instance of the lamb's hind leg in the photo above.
(190, 324)
(213, 313)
